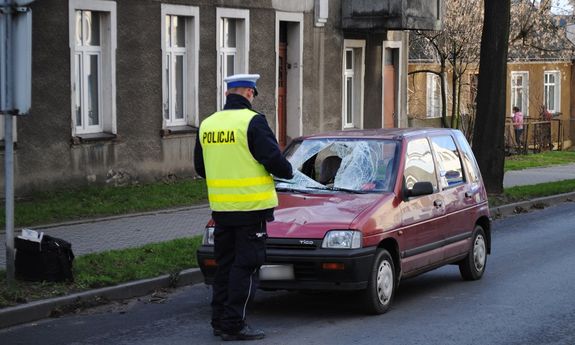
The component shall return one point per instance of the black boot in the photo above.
(246, 333)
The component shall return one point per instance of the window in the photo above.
(448, 161)
(419, 166)
(92, 49)
(352, 88)
(349, 79)
(552, 91)
(14, 132)
(180, 32)
(473, 85)
(468, 159)
(233, 46)
(357, 164)
(433, 96)
(520, 91)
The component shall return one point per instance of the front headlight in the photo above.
(208, 239)
(342, 239)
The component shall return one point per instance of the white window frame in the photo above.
(241, 51)
(523, 88)
(357, 74)
(433, 95)
(557, 93)
(191, 67)
(14, 131)
(107, 64)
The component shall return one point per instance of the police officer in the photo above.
(236, 152)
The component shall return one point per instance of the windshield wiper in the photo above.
(339, 189)
(277, 179)
(288, 189)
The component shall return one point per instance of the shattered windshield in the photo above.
(347, 165)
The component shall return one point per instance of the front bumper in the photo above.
(308, 271)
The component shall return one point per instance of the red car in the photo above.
(368, 208)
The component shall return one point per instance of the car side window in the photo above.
(468, 159)
(448, 162)
(419, 166)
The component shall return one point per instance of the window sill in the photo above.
(93, 137)
(3, 145)
(178, 130)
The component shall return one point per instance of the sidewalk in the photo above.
(539, 175)
(134, 230)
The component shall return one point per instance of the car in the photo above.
(369, 208)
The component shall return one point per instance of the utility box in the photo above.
(383, 15)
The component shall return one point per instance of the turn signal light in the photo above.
(210, 263)
(333, 266)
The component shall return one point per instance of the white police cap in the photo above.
(242, 80)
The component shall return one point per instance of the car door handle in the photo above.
(438, 204)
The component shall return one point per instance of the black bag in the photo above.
(50, 260)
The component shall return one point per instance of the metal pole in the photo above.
(8, 143)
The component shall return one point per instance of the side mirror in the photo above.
(420, 188)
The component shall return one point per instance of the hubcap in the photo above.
(479, 253)
(384, 282)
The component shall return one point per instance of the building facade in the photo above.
(531, 85)
(119, 88)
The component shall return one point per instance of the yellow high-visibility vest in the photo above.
(235, 180)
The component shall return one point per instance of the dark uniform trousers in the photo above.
(239, 251)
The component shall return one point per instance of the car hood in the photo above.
(311, 215)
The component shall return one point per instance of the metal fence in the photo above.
(538, 136)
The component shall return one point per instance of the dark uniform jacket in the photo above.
(264, 147)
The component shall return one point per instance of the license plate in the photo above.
(276, 272)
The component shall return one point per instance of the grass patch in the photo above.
(520, 193)
(109, 268)
(95, 201)
(520, 162)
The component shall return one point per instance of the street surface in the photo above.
(525, 297)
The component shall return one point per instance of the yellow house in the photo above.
(530, 85)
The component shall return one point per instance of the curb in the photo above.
(41, 309)
(525, 206)
(52, 307)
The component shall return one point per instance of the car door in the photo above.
(422, 216)
(453, 187)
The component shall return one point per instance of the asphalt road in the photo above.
(525, 297)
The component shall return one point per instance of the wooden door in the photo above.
(389, 92)
(282, 93)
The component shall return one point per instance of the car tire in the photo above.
(378, 296)
(473, 266)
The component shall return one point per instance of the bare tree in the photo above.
(536, 33)
(455, 48)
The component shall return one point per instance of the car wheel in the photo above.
(380, 290)
(473, 266)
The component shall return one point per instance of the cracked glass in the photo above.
(344, 165)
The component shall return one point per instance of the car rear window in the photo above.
(468, 158)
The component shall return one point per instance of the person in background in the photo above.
(517, 124)
(236, 151)
(546, 141)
